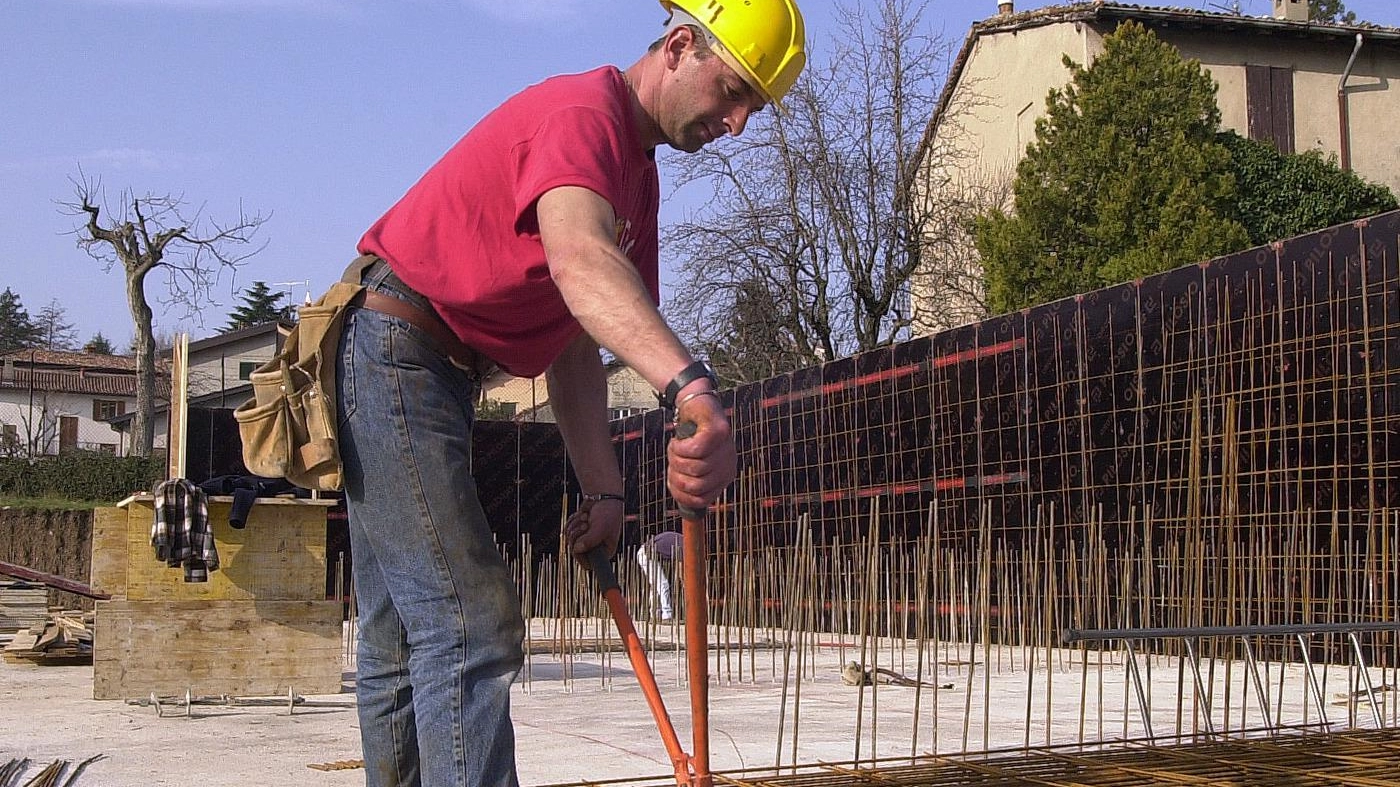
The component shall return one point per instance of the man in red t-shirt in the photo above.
(530, 244)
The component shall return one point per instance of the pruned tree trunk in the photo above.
(143, 426)
(139, 235)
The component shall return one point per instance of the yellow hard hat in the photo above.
(765, 37)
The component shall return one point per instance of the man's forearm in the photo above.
(602, 288)
(578, 394)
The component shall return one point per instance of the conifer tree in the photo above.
(260, 305)
(1125, 178)
(17, 330)
(99, 345)
(54, 331)
(1334, 11)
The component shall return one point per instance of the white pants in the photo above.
(655, 574)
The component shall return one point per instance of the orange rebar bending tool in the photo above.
(691, 770)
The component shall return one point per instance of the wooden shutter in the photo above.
(67, 433)
(1269, 105)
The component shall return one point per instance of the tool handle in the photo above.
(601, 564)
(696, 628)
(684, 431)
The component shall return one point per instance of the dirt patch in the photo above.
(53, 541)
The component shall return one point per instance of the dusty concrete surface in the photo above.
(580, 716)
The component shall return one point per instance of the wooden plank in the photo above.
(1281, 105)
(177, 426)
(279, 555)
(45, 578)
(1259, 94)
(242, 648)
(108, 568)
(22, 606)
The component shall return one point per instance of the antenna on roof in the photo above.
(290, 284)
(1232, 8)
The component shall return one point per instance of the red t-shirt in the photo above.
(466, 235)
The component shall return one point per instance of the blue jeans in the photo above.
(440, 628)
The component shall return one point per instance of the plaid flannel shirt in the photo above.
(181, 533)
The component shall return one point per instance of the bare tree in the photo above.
(143, 233)
(40, 427)
(55, 332)
(950, 286)
(815, 210)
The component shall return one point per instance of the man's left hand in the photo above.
(597, 522)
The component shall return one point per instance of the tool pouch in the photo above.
(288, 427)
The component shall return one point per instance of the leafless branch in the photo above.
(142, 233)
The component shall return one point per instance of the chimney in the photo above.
(1291, 10)
(1006, 8)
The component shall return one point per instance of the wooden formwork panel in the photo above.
(212, 647)
(280, 553)
(107, 573)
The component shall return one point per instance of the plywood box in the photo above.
(280, 554)
(260, 625)
(213, 647)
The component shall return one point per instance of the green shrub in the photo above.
(79, 476)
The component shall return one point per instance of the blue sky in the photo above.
(319, 113)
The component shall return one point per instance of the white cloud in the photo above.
(112, 160)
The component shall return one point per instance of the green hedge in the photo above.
(79, 475)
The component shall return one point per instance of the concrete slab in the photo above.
(581, 717)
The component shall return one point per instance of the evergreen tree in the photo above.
(260, 305)
(54, 330)
(1125, 178)
(1333, 11)
(17, 330)
(98, 345)
(1282, 195)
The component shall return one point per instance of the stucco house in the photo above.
(527, 399)
(1300, 85)
(218, 374)
(52, 402)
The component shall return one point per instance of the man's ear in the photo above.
(677, 42)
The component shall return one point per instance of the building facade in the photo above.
(1299, 85)
(526, 399)
(52, 402)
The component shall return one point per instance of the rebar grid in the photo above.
(1360, 758)
(1218, 445)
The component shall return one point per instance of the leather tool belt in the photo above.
(461, 355)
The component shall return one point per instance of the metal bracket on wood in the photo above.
(160, 710)
(168, 707)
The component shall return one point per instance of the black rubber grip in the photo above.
(601, 562)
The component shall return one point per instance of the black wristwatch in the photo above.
(686, 376)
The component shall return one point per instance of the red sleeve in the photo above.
(572, 146)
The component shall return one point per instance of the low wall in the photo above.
(52, 541)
